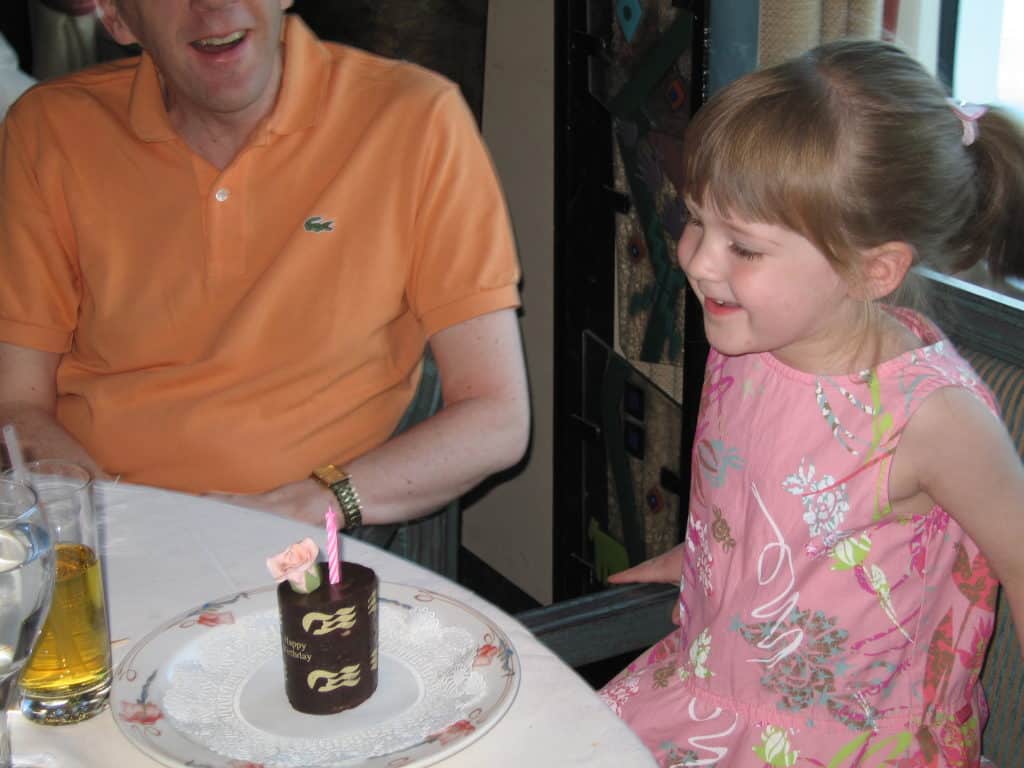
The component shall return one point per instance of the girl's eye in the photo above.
(744, 253)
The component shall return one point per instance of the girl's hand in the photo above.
(664, 569)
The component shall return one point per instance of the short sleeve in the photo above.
(465, 263)
(40, 289)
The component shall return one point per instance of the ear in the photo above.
(114, 21)
(884, 268)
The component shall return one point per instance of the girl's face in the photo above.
(765, 288)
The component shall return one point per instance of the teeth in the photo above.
(213, 42)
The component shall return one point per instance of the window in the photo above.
(977, 49)
(989, 54)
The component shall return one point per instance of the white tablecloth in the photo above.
(165, 553)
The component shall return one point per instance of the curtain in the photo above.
(790, 27)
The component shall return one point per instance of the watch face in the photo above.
(329, 475)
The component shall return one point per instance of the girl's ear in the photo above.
(885, 266)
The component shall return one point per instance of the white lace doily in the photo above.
(208, 693)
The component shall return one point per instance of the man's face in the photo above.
(217, 57)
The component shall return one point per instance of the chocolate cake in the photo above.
(329, 641)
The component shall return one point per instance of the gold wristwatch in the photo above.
(340, 484)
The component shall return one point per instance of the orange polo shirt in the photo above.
(231, 330)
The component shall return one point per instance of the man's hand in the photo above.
(305, 501)
(28, 400)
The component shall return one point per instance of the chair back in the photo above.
(1002, 742)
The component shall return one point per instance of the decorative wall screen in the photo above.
(627, 353)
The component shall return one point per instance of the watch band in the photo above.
(340, 484)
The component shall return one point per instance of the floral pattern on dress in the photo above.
(715, 461)
(721, 531)
(700, 653)
(775, 748)
(825, 502)
(616, 694)
(808, 673)
(699, 545)
(850, 552)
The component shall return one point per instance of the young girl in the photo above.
(854, 496)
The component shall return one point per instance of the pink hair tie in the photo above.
(968, 115)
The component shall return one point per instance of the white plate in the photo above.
(143, 678)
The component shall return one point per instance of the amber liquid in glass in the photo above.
(73, 652)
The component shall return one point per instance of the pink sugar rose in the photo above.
(298, 565)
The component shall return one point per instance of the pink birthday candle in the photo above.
(333, 562)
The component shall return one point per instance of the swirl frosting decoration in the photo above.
(343, 619)
(347, 677)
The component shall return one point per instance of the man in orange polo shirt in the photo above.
(222, 263)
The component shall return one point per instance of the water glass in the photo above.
(26, 585)
(68, 677)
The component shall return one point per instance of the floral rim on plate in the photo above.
(142, 678)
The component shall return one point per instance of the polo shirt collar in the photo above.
(303, 86)
(307, 65)
(146, 110)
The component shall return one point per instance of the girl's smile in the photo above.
(719, 308)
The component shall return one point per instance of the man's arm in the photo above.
(483, 428)
(28, 399)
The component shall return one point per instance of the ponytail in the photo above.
(996, 231)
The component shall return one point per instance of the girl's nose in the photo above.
(697, 255)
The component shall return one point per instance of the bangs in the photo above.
(762, 151)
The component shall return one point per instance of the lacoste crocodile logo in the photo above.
(316, 224)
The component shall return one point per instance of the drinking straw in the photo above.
(333, 562)
(14, 452)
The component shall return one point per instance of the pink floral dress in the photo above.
(818, 628)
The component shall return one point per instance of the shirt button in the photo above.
(222, 194)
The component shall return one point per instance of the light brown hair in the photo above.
(853, 145)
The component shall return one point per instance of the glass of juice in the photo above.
(67, 678)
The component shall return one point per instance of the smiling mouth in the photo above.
(219, 44)
(718, 308)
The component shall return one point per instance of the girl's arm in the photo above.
(964, 460)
